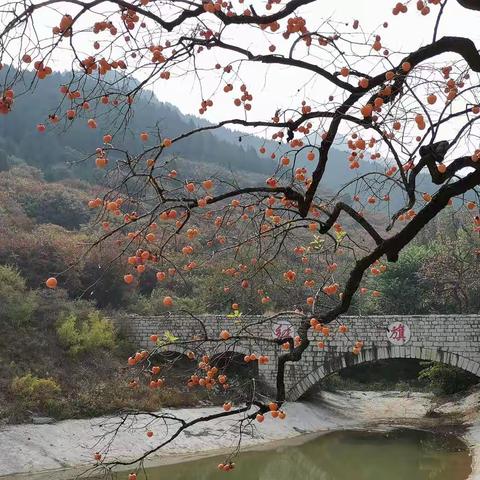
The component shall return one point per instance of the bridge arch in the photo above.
(227, 358)
(340, 360)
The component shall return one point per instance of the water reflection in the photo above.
(394, 455)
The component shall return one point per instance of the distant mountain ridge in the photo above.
(49, 151)
(59, 150)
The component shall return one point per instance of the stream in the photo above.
(402, 454)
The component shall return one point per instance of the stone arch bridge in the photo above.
(450, 339)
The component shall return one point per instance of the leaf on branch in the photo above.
(317, 243)
(339, 236)
(168, 338)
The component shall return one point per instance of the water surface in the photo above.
(345, 455)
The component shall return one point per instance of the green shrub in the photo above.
(95, 332)
(446, 379)
(34, 392)
(404, 290)
(67, 331)
(17, 303)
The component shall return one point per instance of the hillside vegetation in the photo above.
(61, 154)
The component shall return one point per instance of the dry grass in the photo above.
(91, 384)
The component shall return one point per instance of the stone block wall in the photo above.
(451, 339)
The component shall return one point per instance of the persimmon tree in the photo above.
(407, 122)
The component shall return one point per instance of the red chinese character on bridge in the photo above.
(283, 329)
(398, 333)
(283, 332)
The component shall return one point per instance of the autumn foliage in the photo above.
(407, 124)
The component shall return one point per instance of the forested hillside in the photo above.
(60, 151)
(46, 180)
(60, 154)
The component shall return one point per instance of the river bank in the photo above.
(61, 450)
